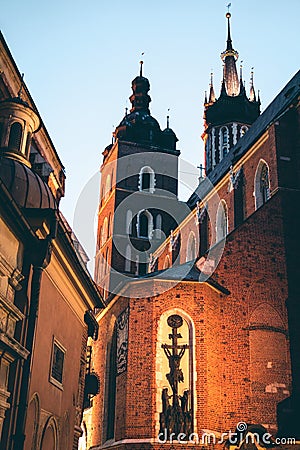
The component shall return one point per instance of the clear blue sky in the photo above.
(79, 58)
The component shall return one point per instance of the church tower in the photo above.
(228, 117)
(138, 178)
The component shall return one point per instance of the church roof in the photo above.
(278, 107)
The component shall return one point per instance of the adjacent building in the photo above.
(47, 297)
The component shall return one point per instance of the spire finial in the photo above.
(228, 15)
(141, 65)
(168, 119)
(252, 97)
(241, 70)
(21, 86)
(212, 96)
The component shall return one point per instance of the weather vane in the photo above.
(228, 6)
(141, 65)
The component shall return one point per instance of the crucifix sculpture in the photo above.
(176, 418)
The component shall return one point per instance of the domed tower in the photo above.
(138, 176)
(228, 117)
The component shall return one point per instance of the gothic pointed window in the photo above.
(221, 221)
(262, 184)
(224, 141)
(15, 136)
(128, 259)
(239, 199)
(191, 247)
(244, 129)
(147, 180)
(158, 226)
(129, 222)
(145, 224)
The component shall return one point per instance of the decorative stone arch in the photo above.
(261, 184)
(49, 438)
(189, 365)
(147, 179)
(33, 421)
(144, 229)
(191, 252)
(221, 221)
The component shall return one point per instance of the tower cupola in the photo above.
(139, 126)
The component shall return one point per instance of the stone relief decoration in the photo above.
(176, 416)
(122, 341)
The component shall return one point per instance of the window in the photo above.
(244, 129)
(129, 222)
(104, 232)
(158, 226)
(261, 184)
(107, 185)
(147, 180)
(57, 363)
(239, 200)
(167, 262)
(191, 247)
(145, 224)
(15, 136)
(221, 221)
(128, 259)
(224, 141)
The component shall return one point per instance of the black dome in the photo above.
(26, 187)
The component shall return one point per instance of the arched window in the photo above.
(107, 185)
(221, 221)
(167, 262)
(262, 184)
(128, 259)
(147, 179)
(158, 226)
(244, 129)
(15, 136)
(191, 247)
(224, 141)
(104, 231)
(109, 225)
(145, 224)
(129, 222)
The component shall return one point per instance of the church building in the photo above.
(200, 334)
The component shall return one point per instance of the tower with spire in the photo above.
(139, 173)
(228, 117)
